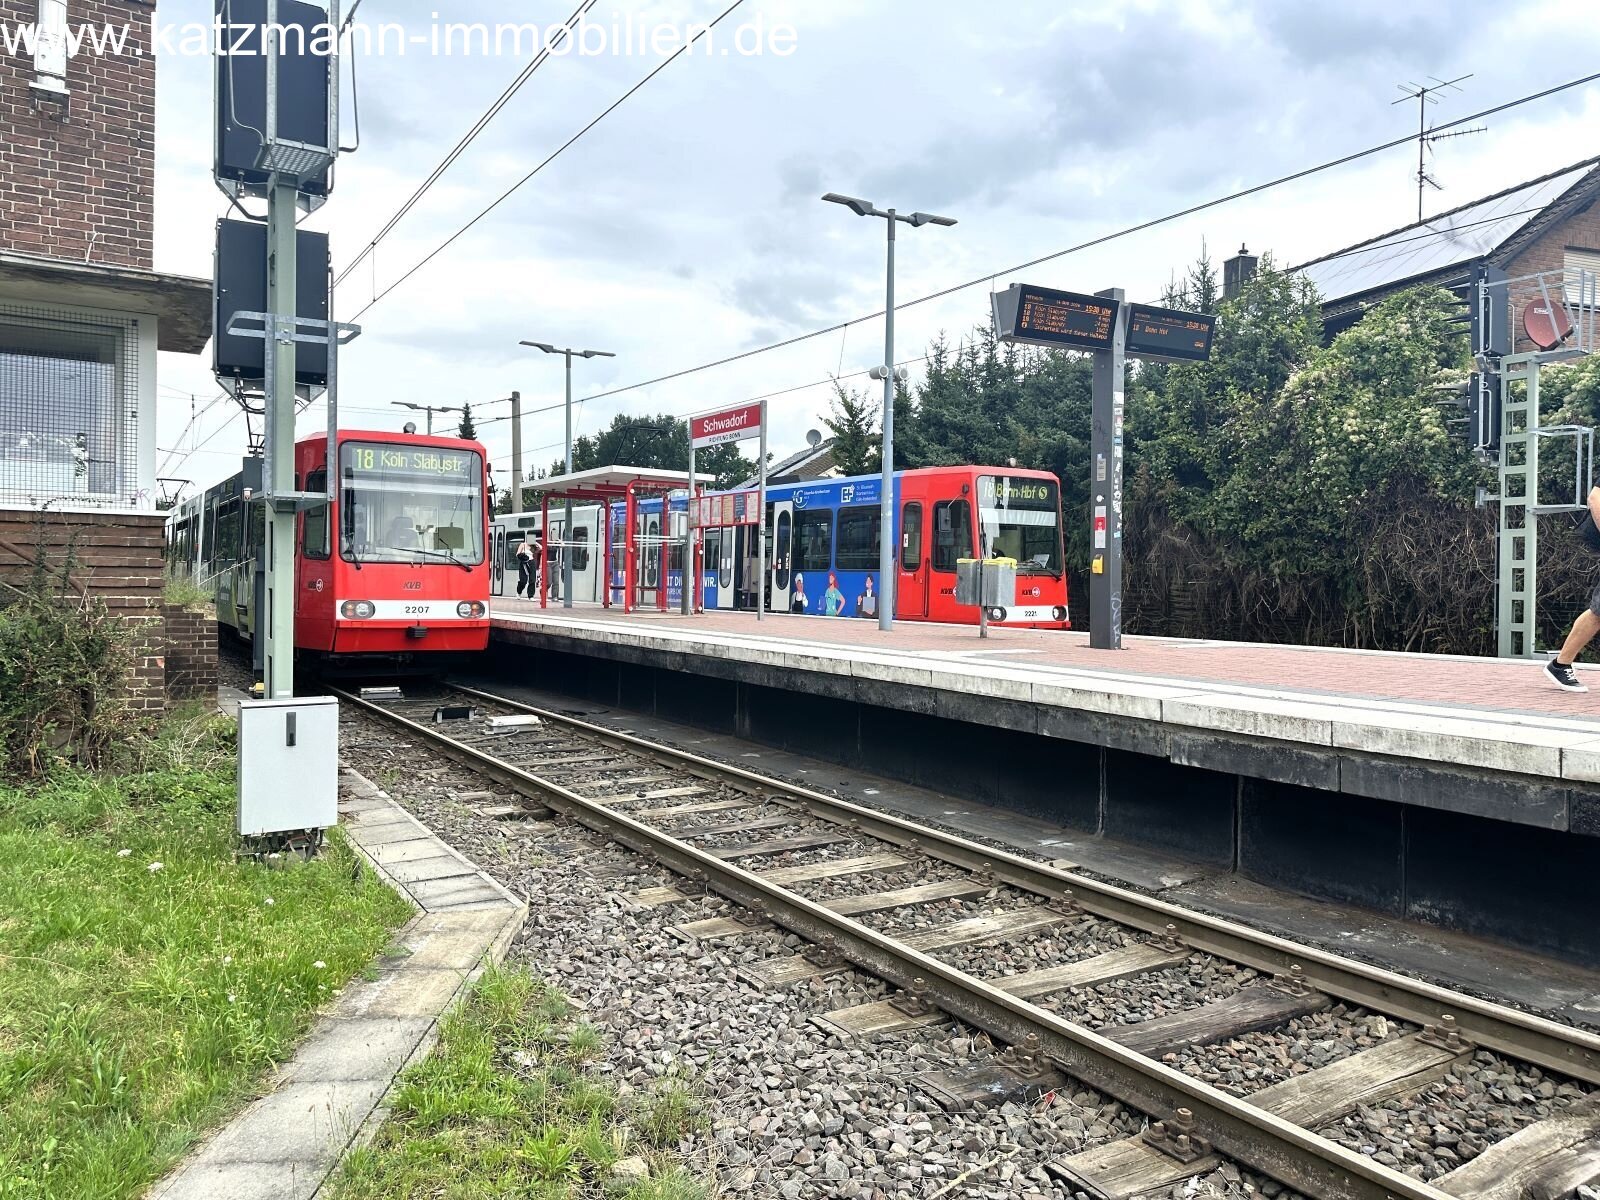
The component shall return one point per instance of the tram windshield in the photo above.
(1021, 519)
(410, 504)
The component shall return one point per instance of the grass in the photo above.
(506, 1107)
(146, 978)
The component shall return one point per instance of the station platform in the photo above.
(1334, 772)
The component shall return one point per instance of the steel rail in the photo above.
(1524, 1036)
(1267, 1143)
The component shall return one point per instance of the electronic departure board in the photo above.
(1040, 316)
(1169, 333)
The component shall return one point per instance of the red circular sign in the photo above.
(1546, 324)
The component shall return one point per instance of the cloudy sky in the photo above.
(687, 226)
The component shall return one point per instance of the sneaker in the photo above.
(1563, 676)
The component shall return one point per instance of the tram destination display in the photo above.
(1040, 316)
(1169, 333)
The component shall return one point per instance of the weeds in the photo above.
(668, 1113)
(503, 1108)
(64, 668)
(179, 590)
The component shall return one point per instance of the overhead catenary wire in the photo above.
(1114, 235)
(514, 188)
(460, 148)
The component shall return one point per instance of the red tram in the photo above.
(396, 566)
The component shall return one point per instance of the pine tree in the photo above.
(467, 431)
(857, 449)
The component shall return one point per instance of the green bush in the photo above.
(64, 668)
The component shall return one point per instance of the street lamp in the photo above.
(427, 408)
(886, 540)
(567, 353)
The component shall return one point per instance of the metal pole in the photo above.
(276, 624)
(566, 528)
(685, 605)
(516, 451)
(761, 522)
(887, 542)
(1105, 486)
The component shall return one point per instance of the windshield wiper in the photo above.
(349, 548)
(450, 557)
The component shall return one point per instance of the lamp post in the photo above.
(566, 558)
(887, 543)
(427, 408)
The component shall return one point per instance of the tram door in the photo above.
(911, 596)
(497, 575)
(725, 564)
(782, 553)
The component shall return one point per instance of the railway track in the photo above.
(713, 824)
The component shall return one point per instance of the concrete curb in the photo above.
(333, 1094)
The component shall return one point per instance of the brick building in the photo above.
(1548, 224)
(82, 311)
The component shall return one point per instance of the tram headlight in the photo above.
(358, 610)
(469, 609)
(997, 614)
(1058, 613)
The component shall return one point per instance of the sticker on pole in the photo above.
(730, 425)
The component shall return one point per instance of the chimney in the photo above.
(1236, 271)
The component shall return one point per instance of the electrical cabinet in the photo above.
(288, 765)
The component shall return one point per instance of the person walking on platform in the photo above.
(1559, 669)
(525, 570)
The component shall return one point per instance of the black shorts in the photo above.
(1594, 600)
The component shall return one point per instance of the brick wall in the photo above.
(1581, 230)
(77, 174)
(191, 654)
(119, 563)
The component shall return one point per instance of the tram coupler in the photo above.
(1175, 1137)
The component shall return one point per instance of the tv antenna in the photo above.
(1425, 94)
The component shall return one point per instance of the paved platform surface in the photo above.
(287, 1143)
(1486, 713)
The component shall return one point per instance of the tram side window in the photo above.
(911, 537)
(208, 552)
(316, 530)
(858, 538)
(813, 541)
(711, 553)
(952, 534)
(580, 552)
(228, 531)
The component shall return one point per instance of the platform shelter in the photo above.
(606, 485)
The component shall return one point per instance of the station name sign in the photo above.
(731, 425)
(1039, 316)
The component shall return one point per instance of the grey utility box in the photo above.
(288, 765)
(997, 578)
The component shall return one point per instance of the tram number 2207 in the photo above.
(417, 610)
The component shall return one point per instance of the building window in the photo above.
(1581, 270)
(69, 408)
